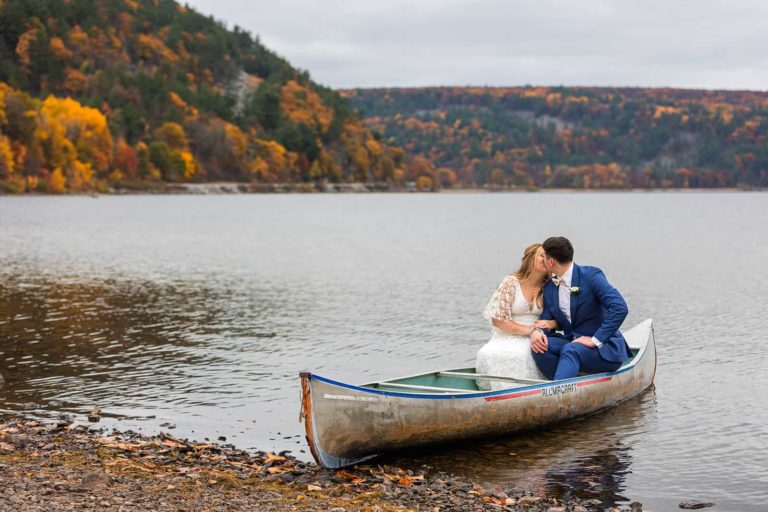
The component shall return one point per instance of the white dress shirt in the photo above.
(564, 292)
(564, 296)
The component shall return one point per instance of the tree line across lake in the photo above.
(576, 137)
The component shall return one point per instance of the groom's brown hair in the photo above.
(560, 248)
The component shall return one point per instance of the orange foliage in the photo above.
(59, 49)
(152, 49)
(125, 160)
(79, 39)
(22, 47)
(303, 105)
(75, 81)
(271, 160)
(182, 105)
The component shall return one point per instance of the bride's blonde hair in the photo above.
(528, 267)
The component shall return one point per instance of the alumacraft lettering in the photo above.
(562, 389)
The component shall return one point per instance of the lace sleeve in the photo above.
(500, 305)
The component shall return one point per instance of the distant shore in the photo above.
(239, 188)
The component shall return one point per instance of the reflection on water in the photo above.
(589, 458)
(135, 349)
(199, 312)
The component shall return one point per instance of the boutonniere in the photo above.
(575, 290)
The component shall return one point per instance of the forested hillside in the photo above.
(98, 94)
(574, 136)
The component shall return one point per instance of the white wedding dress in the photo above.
(508, 355)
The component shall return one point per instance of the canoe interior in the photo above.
(433, 380)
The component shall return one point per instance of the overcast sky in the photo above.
(383, 43)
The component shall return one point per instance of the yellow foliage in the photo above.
(115, 175)
(271, 158)
(424, 183)
(172, 134)
(80, 175)
(303, 105)
(577, 99)
(554, 99)
(56, 181)
(238, 142)
(190, 166)
(662, 110)
(374, 148)
(6, 157)
(15, 184)
(70, 133)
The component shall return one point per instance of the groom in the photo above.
(588, 310)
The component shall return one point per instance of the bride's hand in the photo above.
(545, 324)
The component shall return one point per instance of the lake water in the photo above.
(199, 312)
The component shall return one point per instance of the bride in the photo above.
(514, 311)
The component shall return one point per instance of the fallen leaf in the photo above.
(173, 443)
(272, 457)
(349, 476)
(6, 447)
(314, 488)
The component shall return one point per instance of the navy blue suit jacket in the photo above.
(598, 310)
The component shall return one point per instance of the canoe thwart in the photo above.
(475, 376)
(423, 388)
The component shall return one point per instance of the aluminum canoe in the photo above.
(346, 424)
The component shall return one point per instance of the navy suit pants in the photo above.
(564, 360)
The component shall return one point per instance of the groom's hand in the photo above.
(539, 342)
(586, 341)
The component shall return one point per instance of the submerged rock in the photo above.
(693, 505)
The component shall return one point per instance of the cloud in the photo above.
(365, 43)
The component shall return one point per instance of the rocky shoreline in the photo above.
(74, 466)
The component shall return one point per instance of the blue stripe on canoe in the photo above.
(445, 396)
